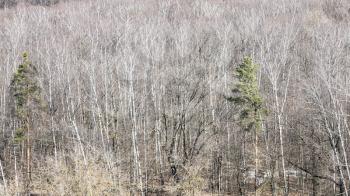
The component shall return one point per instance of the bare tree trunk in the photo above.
(28, 178)
(3, 178)
(256, 161)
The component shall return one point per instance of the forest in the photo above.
(175, 97)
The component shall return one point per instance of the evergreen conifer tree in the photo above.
(26, 95)
(246, 95)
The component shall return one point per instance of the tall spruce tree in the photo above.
(247, 97)
(26, 95)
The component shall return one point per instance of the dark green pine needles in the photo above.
(246, 95)
(26, 93)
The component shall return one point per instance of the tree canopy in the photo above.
(246, 95)
(26, 93)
